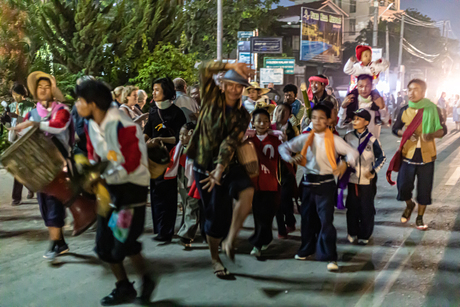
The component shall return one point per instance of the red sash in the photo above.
(396, 161)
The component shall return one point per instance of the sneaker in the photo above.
(363, 241)
(290, 229)
(297, 257)
(124, 293)
(352, 239)
(256, 252)
(332, 266)
(419, 223)
(30, 195)
(264, 247)
(61, 249)
(148, 285)
(56, 250)
(282, 237)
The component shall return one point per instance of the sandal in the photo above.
(419, 223)
(407, 213)
(220, 271)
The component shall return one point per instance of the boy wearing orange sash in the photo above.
(319, 151)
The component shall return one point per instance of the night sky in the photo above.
(435, 9)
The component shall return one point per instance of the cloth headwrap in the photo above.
(328, 143)
(430, 121)
(319, 79)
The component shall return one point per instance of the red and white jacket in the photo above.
(56, 121)
(269, 159)
(178, 158)
(119, 140)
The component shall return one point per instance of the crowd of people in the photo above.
(228, 157)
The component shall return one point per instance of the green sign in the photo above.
(286, 63)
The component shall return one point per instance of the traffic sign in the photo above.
(286, 63)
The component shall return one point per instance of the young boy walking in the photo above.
(318, 152)
(267, 185)
(361, 190)
(114, 137)
(182, 168)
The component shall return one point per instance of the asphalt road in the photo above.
(400, 267)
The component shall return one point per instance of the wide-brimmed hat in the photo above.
(233, 76)
(255, 86)
(264, 103)
(32, 85)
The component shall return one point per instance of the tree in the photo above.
(166, 60)
(14, 46)
(102, 38)
(238, 15)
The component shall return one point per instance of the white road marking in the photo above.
(454, 178)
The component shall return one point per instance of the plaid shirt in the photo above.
(219, 131)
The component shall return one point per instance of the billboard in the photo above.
(266, 44)
(321, 36)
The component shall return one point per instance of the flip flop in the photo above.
(222, 273)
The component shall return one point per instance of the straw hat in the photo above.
(32, 85)
(255, 85)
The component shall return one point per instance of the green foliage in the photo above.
(165, 60)
(238, 15)
(101, 38)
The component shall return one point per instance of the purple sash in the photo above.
(342, 183)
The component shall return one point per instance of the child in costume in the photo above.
(114, 137)
(182, 168)
(285, 216)
(266, 197)
(319, 151)
(362, 64)
(361, 190)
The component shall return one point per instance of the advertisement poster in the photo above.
(274, 75)
(321, 36)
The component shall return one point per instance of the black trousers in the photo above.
(163, 198)
(218, 204)
(17, 190)
(406, 182)
(285, 214)
(317, 211)
(264, 207)
(360, 210)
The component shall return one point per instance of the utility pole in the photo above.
(387, 56)
(219, 30)
(376, 23)
(401, 73)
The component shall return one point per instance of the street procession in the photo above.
(229, 153)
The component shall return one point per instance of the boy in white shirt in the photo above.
(319, 151)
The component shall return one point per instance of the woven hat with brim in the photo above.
(255, 86)
(32, 85)
(234, 77)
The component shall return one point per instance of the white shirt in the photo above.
(188, 105)
(317, 161)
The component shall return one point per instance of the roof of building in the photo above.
(292, 11)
